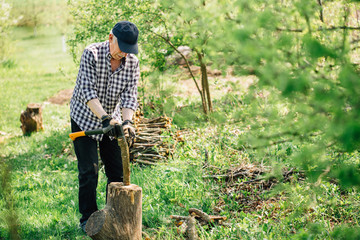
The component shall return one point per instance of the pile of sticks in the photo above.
(248, 183)
(150, 145)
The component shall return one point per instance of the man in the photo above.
(105, 94)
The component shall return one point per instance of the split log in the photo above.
(191, 229)
(188, 223)
(190, 226)
(121, 219)
(31, 119)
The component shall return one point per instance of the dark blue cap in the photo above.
(127, 36)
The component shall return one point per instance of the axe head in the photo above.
(119, 131)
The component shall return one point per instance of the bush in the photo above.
(5, 24)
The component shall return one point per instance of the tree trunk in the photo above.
(202, 95)
(31, 119)
(121, 219)
(205, 81)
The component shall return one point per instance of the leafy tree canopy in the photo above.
(304, 55)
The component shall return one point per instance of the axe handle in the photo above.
(75, 135)
(125, 156)
(123, 146)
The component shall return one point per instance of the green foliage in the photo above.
(301, 113)
(309, 63)
(38, 13)
(5, 24)
(346, 233)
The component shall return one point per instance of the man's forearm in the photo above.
(96, 108)
(127, 113)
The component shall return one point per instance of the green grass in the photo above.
(36, 76)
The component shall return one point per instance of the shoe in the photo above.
(83, 225)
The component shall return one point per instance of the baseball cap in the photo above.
(127, 36)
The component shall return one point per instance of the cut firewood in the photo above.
(201, 214)
(187, 226)
(191, 229)
(190, 222)
(150, 145)
(204, 216)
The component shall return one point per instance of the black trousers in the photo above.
(87, 155)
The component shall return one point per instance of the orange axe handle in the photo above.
(75, 135)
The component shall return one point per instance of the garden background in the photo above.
(267, 93)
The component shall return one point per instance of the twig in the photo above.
(144, 162)
(177, 217)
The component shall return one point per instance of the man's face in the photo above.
(115, 51)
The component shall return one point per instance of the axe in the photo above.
(125, 156)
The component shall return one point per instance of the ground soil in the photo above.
(62, 97)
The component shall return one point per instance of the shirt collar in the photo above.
(107, 49)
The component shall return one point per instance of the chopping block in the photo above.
(121, 219)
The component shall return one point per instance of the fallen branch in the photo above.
(204, 216)
(144, 162)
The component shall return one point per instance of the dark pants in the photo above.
(87, 155)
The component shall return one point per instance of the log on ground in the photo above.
(31, 119)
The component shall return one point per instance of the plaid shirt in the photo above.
(115, 90)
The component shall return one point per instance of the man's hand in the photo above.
(106, 121)
(129, 132)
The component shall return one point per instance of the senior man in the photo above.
(105, 94)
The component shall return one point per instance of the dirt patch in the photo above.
(219, 84)
(62, 97)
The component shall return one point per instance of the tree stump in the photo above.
(31, 119)
(121, 218)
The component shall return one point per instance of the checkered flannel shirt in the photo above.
(115, 90)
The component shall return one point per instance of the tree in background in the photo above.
(37, 13)
(5, 24)
(305, 55)
(164, 26)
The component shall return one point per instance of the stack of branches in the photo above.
(151, 145)
(248, 183)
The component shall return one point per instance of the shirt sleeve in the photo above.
(129, 95)
(88, 76)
